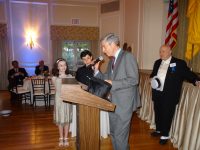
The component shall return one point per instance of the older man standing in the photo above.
(167, 78)
(122, 73)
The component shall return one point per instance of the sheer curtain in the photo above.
(179, 50)
(4, 57)
(61, 33)
(56, 49)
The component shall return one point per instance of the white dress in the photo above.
(62, 110)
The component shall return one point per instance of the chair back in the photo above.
(51, 86)
(19, 92)
(14, 86)
(38, 86)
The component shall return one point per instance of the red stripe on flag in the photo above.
(171, 29)
(172, 44)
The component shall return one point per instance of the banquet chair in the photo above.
(19, 92)
(38, 86)
(51, 93)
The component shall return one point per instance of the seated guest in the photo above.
(125, 46)
(129, 49)
(84, 72)
(41, 68)
(16, 74)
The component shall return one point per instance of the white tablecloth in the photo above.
(104, 123)
(28, 86)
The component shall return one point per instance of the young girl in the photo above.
(62, 110)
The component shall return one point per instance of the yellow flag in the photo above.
(193, 42)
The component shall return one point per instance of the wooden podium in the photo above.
(88, 114)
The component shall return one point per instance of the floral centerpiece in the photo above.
(46, 73)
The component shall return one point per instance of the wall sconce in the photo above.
(31, 43)
(30, 39)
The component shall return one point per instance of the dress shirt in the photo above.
(16, 70)
(162, 71)
(116, 55)
(115, 58)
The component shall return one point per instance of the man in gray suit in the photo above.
(122, 73)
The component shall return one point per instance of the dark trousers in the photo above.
(164, 111)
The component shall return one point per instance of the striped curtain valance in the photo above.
(74, 33)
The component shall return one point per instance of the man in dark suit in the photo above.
(16, 75)
(122, 73)
(41, 68)
(84, 73)
(167, 78)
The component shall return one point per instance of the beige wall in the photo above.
(133, 26)
(144, 29)
(109, 23)
(62, 14)
(39, 15)
(141, 23)
(152, 33)
(25, 16)
(112, 22)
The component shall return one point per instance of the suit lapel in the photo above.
(157, 66)
(169, 68)
(116, 67)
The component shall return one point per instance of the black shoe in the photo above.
(163, 141)
(155, 134)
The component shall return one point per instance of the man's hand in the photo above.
(197, 83)
(17, 74)
(109, 81)
(96, 67)
(20, 73)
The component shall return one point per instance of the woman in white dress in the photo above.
(62, 110)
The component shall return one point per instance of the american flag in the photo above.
(171, 29)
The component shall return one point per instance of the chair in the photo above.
(19, 92)
(51, 92)
(38, 86)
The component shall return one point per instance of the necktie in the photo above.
(113, 62)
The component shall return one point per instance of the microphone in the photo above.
(100, 58)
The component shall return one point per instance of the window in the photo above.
(71, 52)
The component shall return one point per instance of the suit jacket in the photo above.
(17, 79)
(174, 79)
(125, 78)
(38, 71)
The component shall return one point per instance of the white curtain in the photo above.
(4, 57)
